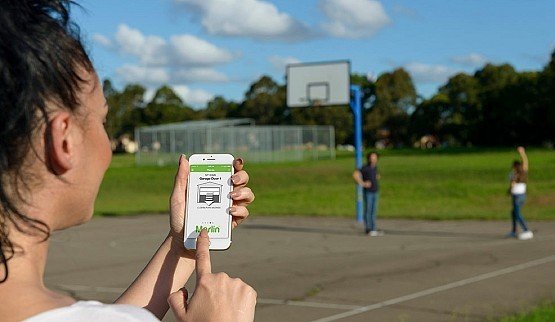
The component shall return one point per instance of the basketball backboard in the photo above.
(323, 83)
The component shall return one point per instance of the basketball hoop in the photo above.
(318, 84)
(315, 102)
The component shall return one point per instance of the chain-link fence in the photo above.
(162, 144)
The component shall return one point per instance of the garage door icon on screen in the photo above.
(209, 193)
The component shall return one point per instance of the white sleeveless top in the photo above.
(518, 188)
(93, 311)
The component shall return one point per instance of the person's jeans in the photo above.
(518, 201)
(371, 209)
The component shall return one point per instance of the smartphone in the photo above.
(208, 200)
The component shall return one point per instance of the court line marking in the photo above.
(118, 290)
(441, 288)
(352, 309)
(309, 304)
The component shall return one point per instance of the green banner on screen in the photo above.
(210, 168)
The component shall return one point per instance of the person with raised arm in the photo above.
(517, 189)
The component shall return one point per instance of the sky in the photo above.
(204, 48)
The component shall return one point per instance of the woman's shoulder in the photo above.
(95, 311)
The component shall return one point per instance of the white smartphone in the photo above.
(208, 200)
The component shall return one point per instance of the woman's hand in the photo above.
(242, 196)
(217, 297)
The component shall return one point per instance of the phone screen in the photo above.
(208, 200)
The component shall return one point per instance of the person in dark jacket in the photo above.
(368, 177)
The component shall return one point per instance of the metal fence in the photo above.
(162, 144)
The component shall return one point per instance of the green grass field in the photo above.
(542, 313)
(453, 184)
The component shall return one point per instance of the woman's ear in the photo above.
(60, 142)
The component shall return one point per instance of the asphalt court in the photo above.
(325, 269)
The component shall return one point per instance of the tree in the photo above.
(219, 108)
(339, 117)
(427, 119)
(462, 109)
(167, 107)
(492, 80)
(368, 88)
(522, 112)
(395, 99)
(113, 118)
(265, 102)
(395, 91)
(123, 115)
(546, 115)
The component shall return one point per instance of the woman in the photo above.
(53, 155)
(518, 179)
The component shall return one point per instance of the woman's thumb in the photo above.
(178, 303)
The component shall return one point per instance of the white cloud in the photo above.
(280, 62)
(190, 50)
(353, 18)
(160, 75)
(143, 75)
(250, 18)
(180, 50)
(472, 60)
(151, 50)
(200, 74)
(195, 97)
(180, 60)
(102, 40)
(424, 73)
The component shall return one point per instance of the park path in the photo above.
(324, 269)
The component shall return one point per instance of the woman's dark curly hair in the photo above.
(41, 55)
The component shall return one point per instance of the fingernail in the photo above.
(181, 158)
(233, 194)
(232, 209)
(234, 178)
(240, 161)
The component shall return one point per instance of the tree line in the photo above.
(495, 106)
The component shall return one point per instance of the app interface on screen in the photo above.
(208, 201)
